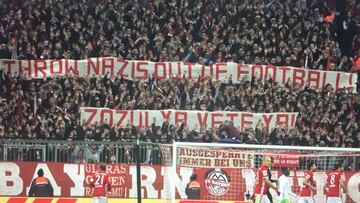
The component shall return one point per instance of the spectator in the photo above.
(88, 154)
(41, 186)
(79, 156)
(4, 52)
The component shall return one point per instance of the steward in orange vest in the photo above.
(41, 186)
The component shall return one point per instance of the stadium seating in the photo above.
(294, 33)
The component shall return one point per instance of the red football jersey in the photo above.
(261, 186)
(333, 181)
(101, 183)
(305, 190)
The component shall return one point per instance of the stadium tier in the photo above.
(198, 95)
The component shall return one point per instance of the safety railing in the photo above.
(81, 151)
(122, 152)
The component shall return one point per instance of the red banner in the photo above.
(218, 184)
(286, 159)
(141, 70)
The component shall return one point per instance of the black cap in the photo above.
(40, 173)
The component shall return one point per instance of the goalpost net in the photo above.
(227, 172)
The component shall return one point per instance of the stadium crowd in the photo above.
(312, 34)
(326, 118)
(316, 34)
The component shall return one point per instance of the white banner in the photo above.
(141, 70)
(191, 119)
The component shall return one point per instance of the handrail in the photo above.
(130, 142)
(262, 147)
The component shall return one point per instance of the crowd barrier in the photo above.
(80, 151)
(88, 152)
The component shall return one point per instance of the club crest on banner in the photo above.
(217, 182)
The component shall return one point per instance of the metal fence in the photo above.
(125, 152)
(80, 152)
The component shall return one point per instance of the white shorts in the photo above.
(100, 199)
(306, 200)
(334, 200)
(261, 199)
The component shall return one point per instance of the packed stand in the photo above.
(326, 118)
(311, 34)
(315, 34)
